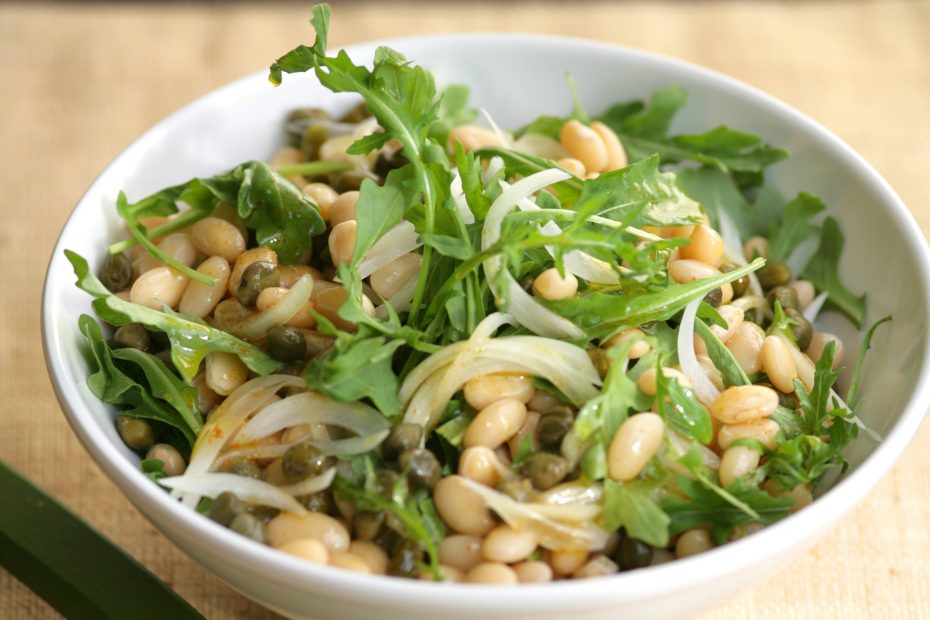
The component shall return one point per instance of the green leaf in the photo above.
(453, 111)
(823, 270)
(699, 505)
(190, 340)
(71, 566)
(110, 383)
(679, 406)
(653, 121)
(795, 227)
(852, 397)
(730, 370)
(454, 247)
(717, 191)
(630, 505)
(524, 164)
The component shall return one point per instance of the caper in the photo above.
(386, 538)
(405, 559)
(244, 468)
(302, 115)
(545, 470)
(303, 461)
(286, 344)
(135, 432)
(402, 437)
(132, 336)
(714, 297)
(367, 524)
(740, 285)
(318, 502)
(249, 526)
(256, 277)
(774, 274)
(310, 140)
(389, 161)
(357, 114)
(385, 481)
(423, 469)
(263, 513)
(349, 180)
(553, 427)
(802, 329)
(225, 508)
(632, 553)
(116, 272)
(520, 489)
(784, 295)
(600, 360)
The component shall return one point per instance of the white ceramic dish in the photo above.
(517, 78)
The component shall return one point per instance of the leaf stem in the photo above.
(314, 168)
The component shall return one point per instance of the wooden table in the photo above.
(79, 82)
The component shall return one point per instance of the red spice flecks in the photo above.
(217, 432)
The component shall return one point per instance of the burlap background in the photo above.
(80, 82)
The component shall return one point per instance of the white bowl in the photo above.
(517, 78)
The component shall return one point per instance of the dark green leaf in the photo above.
(795, 226)
(720, 355)
(823, 270)
(630, 505)
(852, 397)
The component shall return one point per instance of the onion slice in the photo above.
(813, 308)
(278, 314)
(399, 240)
(704, 388)
(246, 489)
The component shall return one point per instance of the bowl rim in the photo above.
(689, 572)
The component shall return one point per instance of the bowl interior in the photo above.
(515, 79)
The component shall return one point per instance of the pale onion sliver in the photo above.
(733, 248)
(458, 196)
(552, 534)
(399, 240)
(312, 408)
(401, 301)
(278, 314)
(813, 308)
(703, 387)
(245, 488)
(312, 485)
(262, 451)
(351, 445)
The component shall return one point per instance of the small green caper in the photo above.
(132, 336)
(387, 162)
(740, 285)
(244, 468)
(600, 360)
(714, 297)
(386, 538)
(423, 468)
(303, 461)
(225, 508)
(357, 114)
(553, 427)
(312, 137)
(349, 181)
(257, 277)
(633, 553)
(286, 344)
(249, 526)
(520, 489)
(367, 524)
(316, 344)
(263, 513)
(545, 470)
(116, 272)
(402, 437)
(385, 481)
(802, 329)
(784, 295)
(774, 274)
(405, 559)
(135, 432)
(303, 115)
(318, 502)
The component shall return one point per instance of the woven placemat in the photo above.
(79, 82)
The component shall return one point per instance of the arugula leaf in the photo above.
(358, 366)
(524, 164)
(630, 505)
(190, 340)
(112, 385)
(653, 120)
(153, 468)
(795, 226)
(823, 270)
(852, 396)
(604, 313)
(679, 406)
(720, 355)
(699, 505)
(717, 191)
(453, 111)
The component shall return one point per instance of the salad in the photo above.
(415, 346)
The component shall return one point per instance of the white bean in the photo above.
(637, 441)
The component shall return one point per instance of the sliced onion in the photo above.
(396, 242)
(458, 196)
(813, 308)
(733, 248)
(679, 446)
(801, 254)
(573, 447)
(246, 489)
(313, 408)
(400, 301)
(572, 493)
(260, 451)
(523, 308)
(552, 534)
(704, 388)
(504, 138)
(495, 165)
(278, 314)
(310, 485)
(351, 445)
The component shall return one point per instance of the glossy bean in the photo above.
(287, 527)
(693, 542)
(746, 347)
(742, 403)
(496, 423)
(342, 242)
(737, 461)
(762, 430)
(552, 286)
(637, 441)
(705, 245)
(462, 509)
(480, 463)
(638, 350)
(343, 208)
(460, 551)
(616, 156)
(161, 286)
(492, 574)
(508, 545)
(778, 364)
(482, 391)
(322, 195)
(585, 145)
(224, 372)
(217, 237)
(199, 298)
(390, 279)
